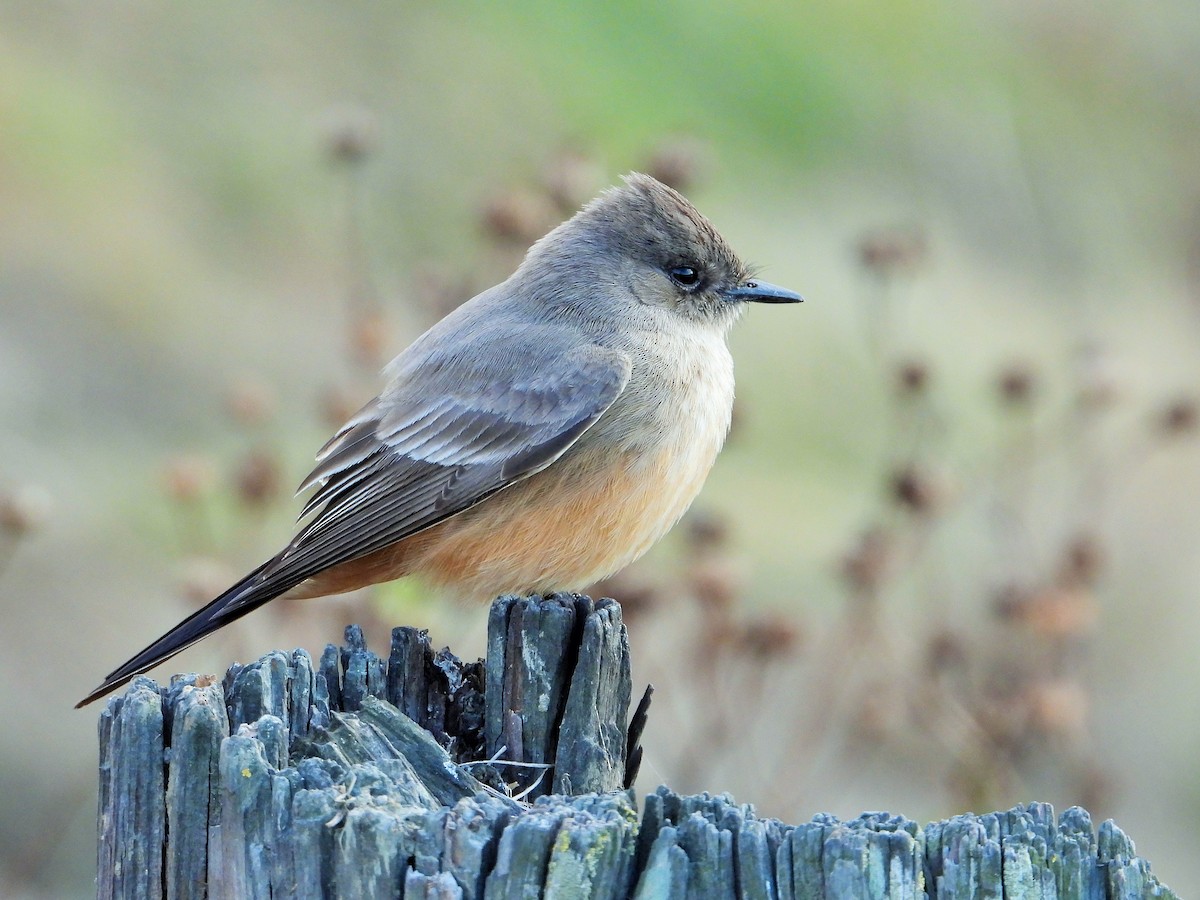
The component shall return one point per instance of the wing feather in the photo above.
(413, 457)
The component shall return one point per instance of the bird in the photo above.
(538, 438)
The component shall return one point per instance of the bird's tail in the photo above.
(248, 594)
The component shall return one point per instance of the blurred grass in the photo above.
(169, 225)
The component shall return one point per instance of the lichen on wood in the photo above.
(362, 777)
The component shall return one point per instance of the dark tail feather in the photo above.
(248, 594)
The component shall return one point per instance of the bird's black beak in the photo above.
(760, 292)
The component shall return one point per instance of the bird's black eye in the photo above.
(685, 276)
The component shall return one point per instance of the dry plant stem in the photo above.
(1014, 483)
(711, 732)
(747, 719)
(773, 755)
(1093, 465)
(742, 707)
(1018, 453)
(363, 307)
(1104, 481)
(360, 298)
(833, 686)
(852, 689)
(913, 425)
(697, 706)
(877, 321)
(994, 468)
(8, 550)
(956, 726)
(757, 677)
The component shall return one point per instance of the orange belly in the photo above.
(582, 518)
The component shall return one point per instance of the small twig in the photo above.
(525, 793)
(506, 762)
(343, 801)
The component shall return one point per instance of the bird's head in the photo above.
(644, 242)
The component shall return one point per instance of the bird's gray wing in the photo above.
(443, 439)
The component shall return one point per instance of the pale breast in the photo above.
(608, 499)
(600, 506)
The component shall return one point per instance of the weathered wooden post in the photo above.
(356, 777)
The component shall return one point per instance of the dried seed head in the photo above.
(912, 378)
(715, 636)
(1055, 613)
(1058, 708)
(1179, 417)
(638, 597)
(186, 478)
(519, 216)
(879, 712)
(24, 511)
(1063, 612)
(350, 134)
(1083, 560)
(1004, 718)
(915, 490)
(677, 163)
(1009, 602)
(258, 479)
(716, 585)
(892, 252)
(250, 402)
(865, 566)
(1016, 383)
(770, 636)
(705, 531)
(945, 652)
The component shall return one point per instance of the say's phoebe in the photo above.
(540, 437)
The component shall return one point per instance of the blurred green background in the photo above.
(1000, 198)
